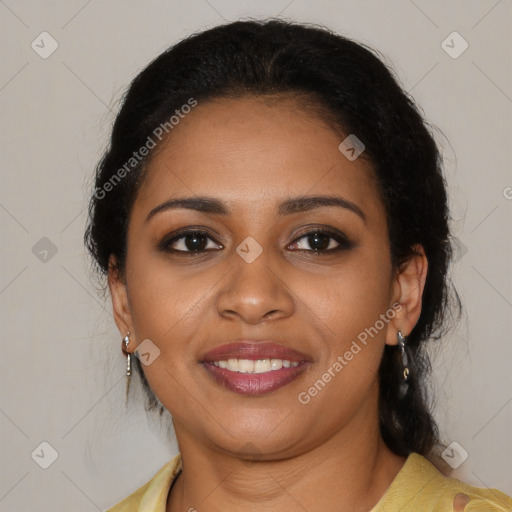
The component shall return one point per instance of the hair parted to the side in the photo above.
(351, 87)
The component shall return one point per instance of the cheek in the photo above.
(160, 292)
(349, 316)
(351, 298)
(167, 309)
(166, 304)
(352, 311)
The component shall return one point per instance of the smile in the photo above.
(254, 367)
(258, 366)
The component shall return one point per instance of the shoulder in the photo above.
(480, 499)
(419, 485)
(153, 494)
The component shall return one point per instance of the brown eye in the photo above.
(190, 242)
(321, 241)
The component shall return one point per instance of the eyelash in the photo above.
(343, 242)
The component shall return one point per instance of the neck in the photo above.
(349, 471)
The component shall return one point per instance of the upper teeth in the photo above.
(258, 366)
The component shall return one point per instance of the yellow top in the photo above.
(418, 487)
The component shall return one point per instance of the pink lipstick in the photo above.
(254, 368)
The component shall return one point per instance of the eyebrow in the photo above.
(288, 207)
(306, 203)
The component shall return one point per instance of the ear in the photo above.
(119, 294)
(408, 286)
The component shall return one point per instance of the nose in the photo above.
(254, 292)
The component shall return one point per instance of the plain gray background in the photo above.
(62, 368)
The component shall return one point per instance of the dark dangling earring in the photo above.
(402, 340)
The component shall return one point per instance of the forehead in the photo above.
(250, 151)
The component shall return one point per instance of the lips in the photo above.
(253, 351)
(254, 383)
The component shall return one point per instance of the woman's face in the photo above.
(259, 277)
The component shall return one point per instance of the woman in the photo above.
(272, 217)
